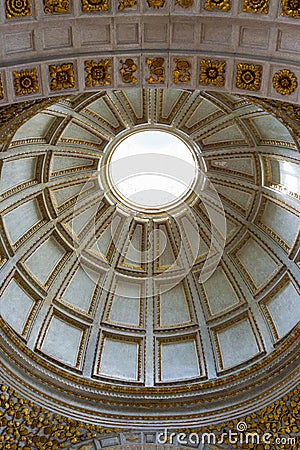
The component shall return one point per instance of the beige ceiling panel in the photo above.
(178, 359)
(282, 308)
(45, 261)
(220, 293)
(258, 264)
(236, 342)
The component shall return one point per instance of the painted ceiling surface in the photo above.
(150, 318)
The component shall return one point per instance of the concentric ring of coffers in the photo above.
(127, 291)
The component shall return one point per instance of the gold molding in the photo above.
(224, 5)
(98, 73)
(26, 82)
(94, 5)
(290, 8)
(212, 72)
(249, 76)
(256, 6)
(123, 4)
(21, 8)
(285, 82)
(62, 77)
(56, 6)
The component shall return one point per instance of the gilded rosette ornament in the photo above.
(182, 71)
(17, 8)
(185, 3)
(127, 70)
(156, 69)
(62, 77)
(290, 8)
(126, 4)
(217, 4)
(26, 82)
(285, 82)
(212, 72)
(98, 72)
(256, 6)
(94, 5)
(56, 6)
(248, 76)
(156, 3)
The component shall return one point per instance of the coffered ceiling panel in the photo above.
(17, 172)
(220, 294)
(257, 264)
(17, 305)
(44, 261)
(282, 307)
(186, 365)
(236, 343)
(63, 340)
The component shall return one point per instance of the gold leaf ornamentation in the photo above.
(285, 82)
(290, 8)
(26, 82)
(126, 4)
(156, 69)
(217, 4)
(248, 76)
(18, 8)
(56, 6)
(185, 3)
(182, 71)
(256, 6)
(98, 72)
(156, 3)
(62, 77)
(212, 72)
(94, 5)
(127, 70)
(29, 427)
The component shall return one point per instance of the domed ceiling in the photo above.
(179, 314)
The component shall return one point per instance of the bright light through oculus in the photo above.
(152, 169)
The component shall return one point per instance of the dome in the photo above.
(164, 313)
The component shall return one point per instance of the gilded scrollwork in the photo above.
(290, 8)
(285, 82)
(123, 4)
(156, 70)
(94, 5)
(18, 8)
(56, 6)
(26, 82)
(127, 70)
(62, 77)
(98, 72)
(248, 76)
(212, 72)
(224, 5)
(182, 71)
(256, 6)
